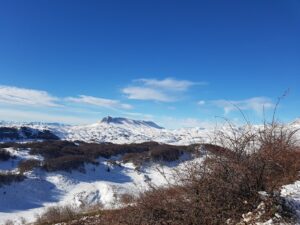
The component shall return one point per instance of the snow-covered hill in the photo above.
(118, 130)
(97, 185)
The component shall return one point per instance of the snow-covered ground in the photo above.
(291, 193)
(97, 185)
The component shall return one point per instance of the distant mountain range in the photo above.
(110, 129)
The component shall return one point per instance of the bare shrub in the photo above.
(28, 165)
(56, 214)
(165, 153)
(66, 155)
(66, 163)
(126, 199)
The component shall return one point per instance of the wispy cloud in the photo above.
(102, 102)
(144, 93)
(34, 116)
(257, 104)
(165, 90)
(28, 97)
(137, 115)
(169, 84)
(201, 102)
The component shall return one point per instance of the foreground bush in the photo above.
(57, 214)
(227, 184)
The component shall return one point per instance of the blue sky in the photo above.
(179, 63)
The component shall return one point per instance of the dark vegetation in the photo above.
(28, 165)
(66, 163)
(66, 155)
(57, 214)
(5, 155)
(8, 178)
(22, 133)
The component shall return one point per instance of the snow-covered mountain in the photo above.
(117, 130)
(129, 122)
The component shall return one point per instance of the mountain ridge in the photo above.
(119, 130)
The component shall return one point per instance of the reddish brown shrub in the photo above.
(28, 165)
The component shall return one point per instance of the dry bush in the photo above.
(126, 199)
(56, 214)
(66, 155)
(28, 165)
(161, 152)
(66, 163)
(135, 158)
(165, 153)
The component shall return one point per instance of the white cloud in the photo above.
(28, 97)
(165, 90)
(257, 104)
(169, 84)
(103, 102)
(144, 93)
(137, 115)
(201, 102)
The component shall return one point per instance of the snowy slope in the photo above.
(96, 186)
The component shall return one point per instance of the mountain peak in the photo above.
(107, 119)
(126, 121)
